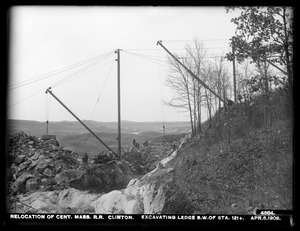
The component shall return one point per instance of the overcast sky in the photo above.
(48, 39)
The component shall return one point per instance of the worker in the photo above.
(174, 146)
(85, 158)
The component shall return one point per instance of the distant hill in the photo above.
(73, 134)
(63, 128)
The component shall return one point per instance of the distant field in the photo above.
(73, 134)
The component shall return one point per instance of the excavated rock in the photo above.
(145, 159)
(38, 165)
(50, 180)
(31, 184)
(144, 196)
(58, 201)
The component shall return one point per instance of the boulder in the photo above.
(60, 178)
(24, 165)
(42, 164)
(53, 147)
(44, 181)
(31, 152)
(35, 156)
(19, 159)
(31, 185)
(47, 172)
(33, 163)
(17, 185)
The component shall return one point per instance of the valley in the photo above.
(72, 134)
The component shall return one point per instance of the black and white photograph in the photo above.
(150, 114)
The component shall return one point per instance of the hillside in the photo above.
(237, 165)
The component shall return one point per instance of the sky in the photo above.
(71, 49)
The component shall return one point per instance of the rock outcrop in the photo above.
(68, 200)
(37, 165)
(144, 196)
(47, 179)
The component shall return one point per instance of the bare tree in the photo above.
(190, 95)
(187, 90)
(178, 81)
(196, 55)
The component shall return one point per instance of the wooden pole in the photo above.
(234, 74)
(119, 106)
(48, 90)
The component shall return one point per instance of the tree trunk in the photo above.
(190, 107)
(208, 108)
(267, 97)
(199, 110)
(288, 67)
(195, 107)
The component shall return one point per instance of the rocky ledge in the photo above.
(45, 178)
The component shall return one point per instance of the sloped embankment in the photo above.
(234, 167)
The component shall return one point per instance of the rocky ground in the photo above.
(41, 175)
(40, 166)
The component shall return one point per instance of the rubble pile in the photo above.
(36, 165)
(146, 158)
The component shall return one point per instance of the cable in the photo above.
(35, 79)
(146, 58)
(161, 94)
(170, 41)
(100, 94)
(26, 98)
(77, 74)
(78, 71)
(44, 89)
(47, 107)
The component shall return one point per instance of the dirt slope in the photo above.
(235, 167)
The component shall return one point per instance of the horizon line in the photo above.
(57, 121)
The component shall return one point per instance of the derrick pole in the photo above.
(191, 73)
(119, 105)
(234, 74)
(47, 123)
(51, 93)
